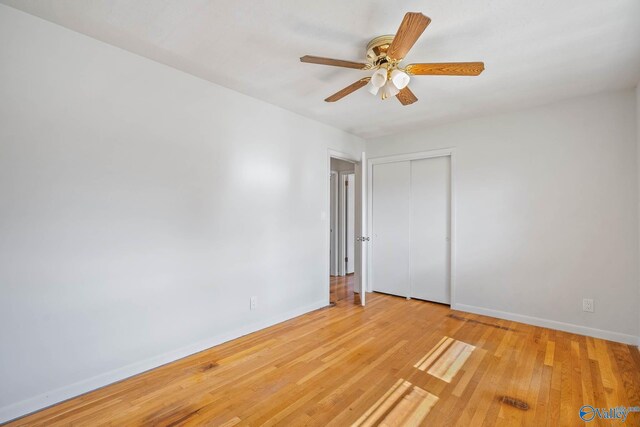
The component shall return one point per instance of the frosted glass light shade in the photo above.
(373, 90)
(389, 91)
(400, 79)
(379, 77)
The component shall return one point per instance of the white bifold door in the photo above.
(411, 211)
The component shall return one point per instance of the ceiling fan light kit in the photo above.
(392, 82)
(384, 55)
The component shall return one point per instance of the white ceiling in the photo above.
(535, 52)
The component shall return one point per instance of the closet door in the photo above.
(391, 233)
(430, 229)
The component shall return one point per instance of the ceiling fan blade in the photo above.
(446, 69)
(406, 97)
(335, 62)
(412, 26)
(347, 90)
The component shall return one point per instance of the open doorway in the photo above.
(342, 232)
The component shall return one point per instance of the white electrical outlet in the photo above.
(253, 303)
(587, 305)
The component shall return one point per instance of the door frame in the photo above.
(444, 152)
(350, 158)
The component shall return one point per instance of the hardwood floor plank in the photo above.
(548, 359)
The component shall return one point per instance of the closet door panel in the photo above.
(391, 233)
(430, 229)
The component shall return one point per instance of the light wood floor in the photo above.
(342, 289)
(346, 363)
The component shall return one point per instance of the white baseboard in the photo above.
(551, 324)
(67, 392)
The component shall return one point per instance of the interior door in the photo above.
(430, 229)
(362, 240)
(391, 226)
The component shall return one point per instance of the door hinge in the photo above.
(346, 259)
(346, 183)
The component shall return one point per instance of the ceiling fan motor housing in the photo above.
(377, 49)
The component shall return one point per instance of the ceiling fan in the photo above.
(384, 55)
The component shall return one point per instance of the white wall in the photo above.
(638, 157)
(547, 212)
(140, 208)
(339, 165)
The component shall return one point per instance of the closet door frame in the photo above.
(446, 152)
